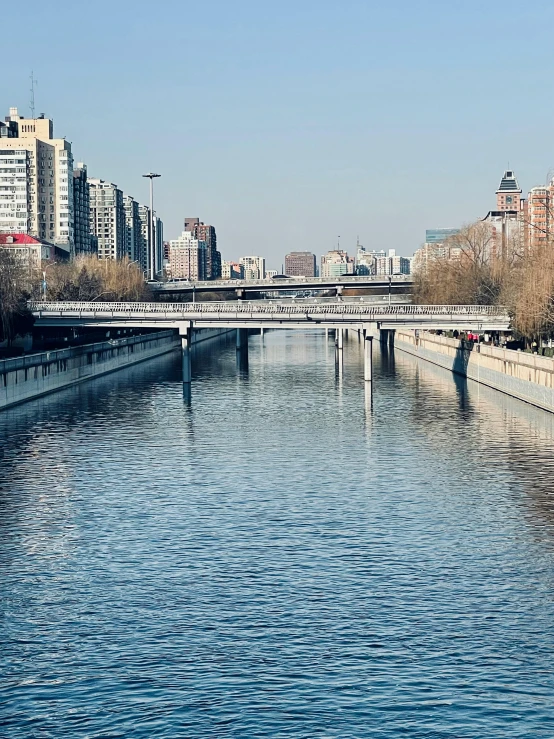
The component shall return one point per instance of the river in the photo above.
(278, 558)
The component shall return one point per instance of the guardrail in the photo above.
(34, 359)
(267, 308)
(292, 281)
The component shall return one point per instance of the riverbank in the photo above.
(527, 377)
(33, 375)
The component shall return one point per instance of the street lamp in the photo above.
(44, 285)
(152, 260)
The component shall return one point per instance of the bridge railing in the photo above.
(292, 281)
(267, 308)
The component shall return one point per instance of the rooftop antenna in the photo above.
(338, 243)
(33, 85)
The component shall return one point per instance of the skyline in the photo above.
(260, 122)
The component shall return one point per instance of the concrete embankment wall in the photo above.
(528, 377)
(31, 376)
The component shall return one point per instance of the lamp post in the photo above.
(152, 260)
(44, 285)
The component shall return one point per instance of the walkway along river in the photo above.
(277, 559)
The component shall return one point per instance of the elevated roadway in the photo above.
(395, 283)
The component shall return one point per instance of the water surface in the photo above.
(277, 559)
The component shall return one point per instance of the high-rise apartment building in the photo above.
(539, 216)
(366, 263)
(84, 243)
(46, 190)
(300, 264)
(145, 235)
(107, 218)
(187, 257)
(206, 233)
(336, 263)
(232, 271)
(399, 265)
(253, 267)
(159, 237)
(16, 209)
(133, 232)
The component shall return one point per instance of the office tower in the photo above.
(300, 264)
(84, 243)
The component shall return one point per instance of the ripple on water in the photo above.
(276, 560)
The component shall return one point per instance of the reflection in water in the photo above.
(284, 556)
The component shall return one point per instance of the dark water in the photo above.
(277, 560)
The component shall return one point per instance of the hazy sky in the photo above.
(286, 124)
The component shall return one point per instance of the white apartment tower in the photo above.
(107, 218)
(42, 204)
(133, 232)
(144, 238)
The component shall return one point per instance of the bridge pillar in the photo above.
(242, 339)
(391, 338)
(262, 335)
(185, 332)
(368, 357)
(340, 337)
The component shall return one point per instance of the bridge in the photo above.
(392, 283)
(366, 318)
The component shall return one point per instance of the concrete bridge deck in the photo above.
(270, 314)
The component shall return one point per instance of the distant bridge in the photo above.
(185, 317)
(394, 283)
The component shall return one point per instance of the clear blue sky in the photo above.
(286, 124)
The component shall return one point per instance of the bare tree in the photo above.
(88, 278)
(14, 292)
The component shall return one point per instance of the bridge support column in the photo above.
(242, 349)
(262, 335)
(185, 332)
(242, 339)
(368, 357)
(340, 337)
(391, 338)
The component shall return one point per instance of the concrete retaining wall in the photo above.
(528, 377)
(28, 377)
(24, 378)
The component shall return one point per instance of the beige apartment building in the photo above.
(44, 195)
(187, 257)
